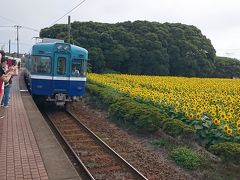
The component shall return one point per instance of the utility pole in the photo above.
(18, 27)
(69, 28)
(9, 47)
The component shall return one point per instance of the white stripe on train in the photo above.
(58, 78)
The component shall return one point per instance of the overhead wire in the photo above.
(29, 28)
(25, 27)
(7, 19)
(68, 12)
(6, 26)
(33, 29)
(36, 30)
(237, 49)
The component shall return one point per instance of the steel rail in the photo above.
(90, 176)
(134, 170)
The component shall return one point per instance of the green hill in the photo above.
(143, 47)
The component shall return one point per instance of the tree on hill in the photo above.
(142, 47)
(226, 68)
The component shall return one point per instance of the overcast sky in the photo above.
(217, 19)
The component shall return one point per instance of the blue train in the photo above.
(56, 72)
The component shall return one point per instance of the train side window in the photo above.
(41, 64)
(84, 68)
(79, 67)
(61, 66)
(76, 67)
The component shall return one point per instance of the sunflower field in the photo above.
(211, 106)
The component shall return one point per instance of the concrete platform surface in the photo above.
(28, 148)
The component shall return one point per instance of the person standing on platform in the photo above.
(4, 78)
(7, 86)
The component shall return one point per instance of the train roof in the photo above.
(49, 48)
(77, 48)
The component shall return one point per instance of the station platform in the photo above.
(28, 148)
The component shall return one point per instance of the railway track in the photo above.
(97, 159)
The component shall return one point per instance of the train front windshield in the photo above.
(79, 67)
(41, 65)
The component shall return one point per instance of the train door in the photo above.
(61, 73)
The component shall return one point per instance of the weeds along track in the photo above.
(97, 158)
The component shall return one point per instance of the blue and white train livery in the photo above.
(56, 71)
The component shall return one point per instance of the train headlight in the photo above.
(59, 47)
(63, 47)
(66, 47)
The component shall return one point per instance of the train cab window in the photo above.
(79, 67)
(61, 66)
(41, 64)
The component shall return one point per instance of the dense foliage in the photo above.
(227, 67)
(141, 47)
(228, 151)
(187, 158)
(209, 105)
(133, 114)
(201, 109)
